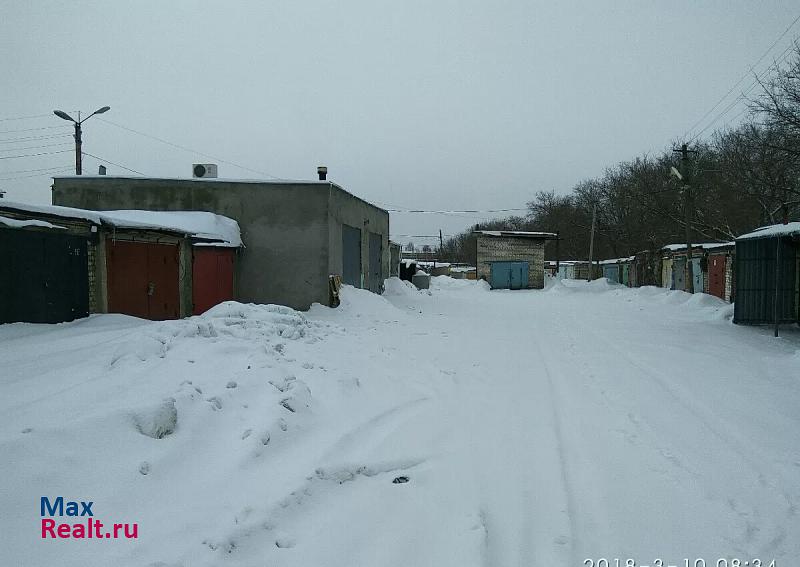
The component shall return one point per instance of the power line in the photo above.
(781, 58)
(112, 163)
(31, 170)
(419, 235)
(32, 129)
(36, 174)
(743, 77)
(24, 117)
(34, 138)
(466, 211)
(34, 155)
(35, 147)
(187, 149)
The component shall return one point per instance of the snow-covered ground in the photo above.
(535, 428)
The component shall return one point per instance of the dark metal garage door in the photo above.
(44, 277)
(351, 255)
(375, 255)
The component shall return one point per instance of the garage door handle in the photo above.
(151, 288)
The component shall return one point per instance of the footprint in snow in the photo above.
(285, 542)
(231, 384)
(144, 468)
(246, 433)
(27, 430)
(216, 403)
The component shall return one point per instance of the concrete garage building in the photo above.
(512, 259)
(298, 234)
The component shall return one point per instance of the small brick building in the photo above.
(512, 259)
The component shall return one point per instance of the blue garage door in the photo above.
(351, 255)
(611, 272)
(509, 275)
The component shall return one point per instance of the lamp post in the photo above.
(78, 122)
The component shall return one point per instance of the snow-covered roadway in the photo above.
(535, 428)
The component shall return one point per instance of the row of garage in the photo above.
(61, 263)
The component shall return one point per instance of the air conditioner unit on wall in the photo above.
(204, 170)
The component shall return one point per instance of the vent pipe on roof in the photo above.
(322, 171)
(101, 170)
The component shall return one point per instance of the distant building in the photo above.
(301, 236)
(512, 259)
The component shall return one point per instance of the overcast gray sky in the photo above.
(437, 105)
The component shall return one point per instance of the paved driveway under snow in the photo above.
(535, 428)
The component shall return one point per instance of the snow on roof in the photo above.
(790, 229)
(703, 245)
(571, 262)
(618, 260)
(431, 263)
(520, 233)
(198, 224)
(16, 223)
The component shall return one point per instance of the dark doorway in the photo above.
(351, 255)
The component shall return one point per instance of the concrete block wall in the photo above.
(509, 249)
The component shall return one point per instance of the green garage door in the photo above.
(509, 275)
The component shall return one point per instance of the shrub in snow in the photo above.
(159, 421)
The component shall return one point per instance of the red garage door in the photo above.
(143, 279)
(716, 275)
(212, 277)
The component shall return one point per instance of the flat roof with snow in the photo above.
(196, 224)
(518, 233)
(790, 229)
(702, 245)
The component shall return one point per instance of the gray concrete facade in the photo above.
(292, 231)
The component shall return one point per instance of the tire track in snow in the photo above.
(736, 445)
(564, 465)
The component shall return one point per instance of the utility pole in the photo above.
(688, 210)
(78, 138)
(591, 240)
(441, 244)
(78, 145)
(558, 252)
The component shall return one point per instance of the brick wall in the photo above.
(91, 249)
(508, 249)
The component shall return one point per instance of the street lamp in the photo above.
(78, 122)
